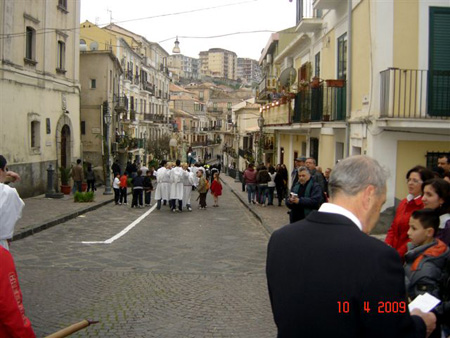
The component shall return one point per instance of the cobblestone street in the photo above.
(198, 274)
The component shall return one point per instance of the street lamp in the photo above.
(260, 125)
(236, 130)
(108, 119)
(145, 146)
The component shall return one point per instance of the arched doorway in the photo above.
(65, 146)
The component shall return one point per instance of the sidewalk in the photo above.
(271, 217)
(41, 213)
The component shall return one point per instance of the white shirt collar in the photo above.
(336, 209)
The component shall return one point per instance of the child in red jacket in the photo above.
(216, 189)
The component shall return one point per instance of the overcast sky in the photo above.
(157, 21)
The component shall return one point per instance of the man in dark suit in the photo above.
(328, 278)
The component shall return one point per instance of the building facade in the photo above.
(218, 62)
(248, 70)
(183, 67)
(40, 89)
(358, 81)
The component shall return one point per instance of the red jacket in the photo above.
(216, 188)
(13, 322)
(397, 236)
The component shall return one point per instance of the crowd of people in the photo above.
(329, 216)
(172, 183)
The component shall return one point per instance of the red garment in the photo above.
(216, 188)
(397, 236)
(250, 175)
(123, 181)
(13, 322)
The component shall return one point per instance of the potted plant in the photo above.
(65, 176)
(338, 83)
(316, 82)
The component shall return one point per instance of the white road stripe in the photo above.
(124, 231)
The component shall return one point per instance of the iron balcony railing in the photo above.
(121, 103)
(323, 103)
(414, 94)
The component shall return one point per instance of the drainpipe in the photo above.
(349, 82)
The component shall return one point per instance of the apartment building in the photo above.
(248, 70)
(183, 67)
(40, 89)
(370, 79)
(141, 101)
(218, 62)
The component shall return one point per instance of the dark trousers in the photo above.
(271, 191)
(281, 193)
(137, 197)
(123, 195)
(90, 185)
(116, 195)
(202, 199)
(148, 196)
(173, 204)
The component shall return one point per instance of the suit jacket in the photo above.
(314, 264)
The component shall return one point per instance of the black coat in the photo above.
(323, 262)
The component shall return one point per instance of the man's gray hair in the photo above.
(312, 159)
(354, 174)
(303, 168)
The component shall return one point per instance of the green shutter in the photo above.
(439, 62)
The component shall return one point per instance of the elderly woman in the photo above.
(397, 236)
(436, 195)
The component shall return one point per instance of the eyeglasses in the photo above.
(413, 180)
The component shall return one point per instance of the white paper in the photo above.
(425, 303)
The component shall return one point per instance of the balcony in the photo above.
(120, 104)
(308, 18)
(149, 87)
(324, 103)
(327, 4)
(414, 94)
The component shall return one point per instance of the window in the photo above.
(35, 134)
(201, 95)
(93, 83)
(62, 4)
(61, 57)
(30, 44)
(317, 65)
(342, 57)
(48, 127)
(83, 127)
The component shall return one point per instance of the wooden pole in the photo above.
(71, 329)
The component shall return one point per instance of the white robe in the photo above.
(176, 183)
(188, 182)
(162, 184)
(11, 206)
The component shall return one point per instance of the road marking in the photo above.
(124, 231)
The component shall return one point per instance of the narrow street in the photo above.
(189, 274)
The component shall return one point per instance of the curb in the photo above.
(263, 223)
(48, 224)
